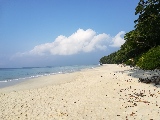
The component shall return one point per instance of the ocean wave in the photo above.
(35, 72)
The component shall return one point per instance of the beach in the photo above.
(109, 92)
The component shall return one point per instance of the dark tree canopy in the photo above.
(148, 22)
(144, 37)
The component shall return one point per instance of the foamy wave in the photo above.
(3, 81)
(39, 72)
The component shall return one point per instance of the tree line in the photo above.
(142, 45)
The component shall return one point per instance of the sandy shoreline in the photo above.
(110, 92)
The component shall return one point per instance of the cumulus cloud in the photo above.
(118, 40)
(80, 41)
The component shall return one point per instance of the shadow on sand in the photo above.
(144, 76)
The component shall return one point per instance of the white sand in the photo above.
(107, 92)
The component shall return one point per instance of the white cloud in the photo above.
(118, 40)
(80, 41)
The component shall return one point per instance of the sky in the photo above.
(38, 33)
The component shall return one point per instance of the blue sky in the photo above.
(62, 32)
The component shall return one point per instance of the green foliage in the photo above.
(129, 62)
(114, 58)
(108, 59)
(150, 60)
(103, 60)
(144, 37)
(148, 22)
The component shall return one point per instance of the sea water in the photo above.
(10, 76)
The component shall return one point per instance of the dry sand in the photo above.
(110, 92)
